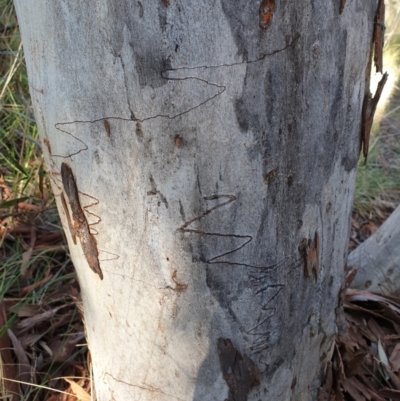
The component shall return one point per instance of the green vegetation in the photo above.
(378, 182)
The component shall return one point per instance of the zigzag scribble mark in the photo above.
(164, 75)
(217, 259)
(260, 277)
(264, 269)
(257, 60)
(260, 283)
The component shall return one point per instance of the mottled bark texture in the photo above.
(207, 140)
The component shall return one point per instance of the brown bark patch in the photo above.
(240, 373)
(341, 6)
(47, 144)
(179, 287)
(139, 130)
(107, 127)
(165, 3)
(270, 176)
(178, 141)
(78, 225)
(266, 13)
(310, 251)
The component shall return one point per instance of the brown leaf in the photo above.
(30, 339)
(393, 377)
(376, 397)
(25, 310)
(361, 387)
(324, 393)
(62, 350)
(395, 358)
(47, 277)
(49, 239)
(339, 368)
(337, 388)
(26, 257)
(29, 322)
(8, 366)
(29, 208)
(375, 329)
(352, 367)
(25, 369)
(390, 393)
(80, 393)
(357, 390)
(367, 230)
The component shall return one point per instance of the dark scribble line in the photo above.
(221, 89)
(257, 60)
(247, 238)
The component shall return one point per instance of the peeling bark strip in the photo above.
(266, 12)
(310, 252)
(370, 103)
(240, 373)
(368, 112)
(79, 226)
(379, 35)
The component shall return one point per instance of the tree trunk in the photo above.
(203, 157)
(377, 259)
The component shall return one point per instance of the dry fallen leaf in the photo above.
(395, 358)
(369, 331)
(80, 393)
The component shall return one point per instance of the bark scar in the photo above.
(107, 127)
(341, 6)
(78, 225)
(310, 251)
(266, 13)
(240, 373)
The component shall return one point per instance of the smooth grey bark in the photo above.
(377, 260)
(207, 145)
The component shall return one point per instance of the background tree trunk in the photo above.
(208, 141)
(377, 259)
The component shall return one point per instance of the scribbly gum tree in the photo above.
(203, 158)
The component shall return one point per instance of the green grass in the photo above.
(377, 191)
